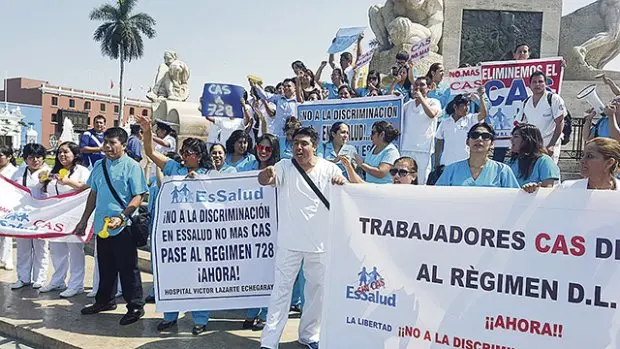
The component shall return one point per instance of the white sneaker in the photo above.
(92, 294)
(70, 292)
(50, 287)
(37, 285)
(19, 284)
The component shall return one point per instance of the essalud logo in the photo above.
(371, 288)
(181, 195)
(17, 219)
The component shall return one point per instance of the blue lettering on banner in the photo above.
(222, 100)
(182, 194)
(358, 113)
(370, 289)
(18, 220)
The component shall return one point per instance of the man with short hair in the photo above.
(302, 229)
(522, 52)
(134, 143)
(286, 105)
(116, 254)
(91, 142)
(548, 117)
(419, 127)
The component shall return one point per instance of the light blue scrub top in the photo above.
(388, 155)
(332, 89)
(327, 152)
(173, 168)
(241, 164)
(544, 169)
(227, 169)
(601, 129)
(286, 149)
(494, 174)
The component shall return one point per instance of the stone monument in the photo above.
(169, 95)
(398, 24)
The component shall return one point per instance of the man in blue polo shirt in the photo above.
(116, 254)
(91, 142)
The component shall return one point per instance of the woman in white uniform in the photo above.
(7, 169)
(599, 165)
(68, 175)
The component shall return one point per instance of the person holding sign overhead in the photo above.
(196, 161)
(479, 170)
(226, 125)
(302, 184)
(286, 105)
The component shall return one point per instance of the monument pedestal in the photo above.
(188, 120)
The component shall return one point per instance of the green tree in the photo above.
(121, 35)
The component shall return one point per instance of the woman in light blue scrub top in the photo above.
(238, 147)
(529, 161)
(479, 170)
(286, 143)
(196, 160)
(218, 155)
(337, 146)
(378, 162)
(373, 81)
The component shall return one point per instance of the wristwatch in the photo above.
(123, 217)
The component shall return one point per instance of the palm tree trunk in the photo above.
(120, 86)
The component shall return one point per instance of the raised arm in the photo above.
(319, 72)
(483, 106)
(587, 125)
(331, 60)
(612, 85)
(359, 51)
(158, 158)
(299, 88)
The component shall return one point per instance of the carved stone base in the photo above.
(186, 115)
(383, 61)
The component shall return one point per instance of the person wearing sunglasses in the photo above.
(404, 171)
(218, 156)
(238, 150)
(529, 160)
(372, 82)
(337, 147)
(478, 170)
(381, 156)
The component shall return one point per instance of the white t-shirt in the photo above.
(543, 115)
(80, 174)
(349, 72)
(224, 127)
(582, 184)
(303, 218)
(418, 129)
(163, 149)
(8, 170)
(454, 135)
(32, 179)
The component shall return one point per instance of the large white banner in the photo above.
(214, 242)
(54, 218)
(477, 268)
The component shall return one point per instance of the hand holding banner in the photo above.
(222, 100)
(420, 49)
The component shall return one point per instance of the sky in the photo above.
(221, 41)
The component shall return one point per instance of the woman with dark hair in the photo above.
(7, 169)
(404, 171)
(307, 84)
(378, 162)
(374, 92)
(345, 92)
(286, 143)
(438, 89)
(238, 150)
(165, 138)
(398, 86)
(32, 253)
(67, 175)
(529, 161)
(373, 81)
(196, 160)
(218, 156)
(599, 166)
(478, 170)
(337, 148)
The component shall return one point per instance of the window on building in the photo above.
(54, 118)
(54, 101)
(72, 103)
(145, 112)
(116, 109)
(102, 106)
(132, 111)
(115, 123)
(86, 105)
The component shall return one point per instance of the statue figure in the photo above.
(68, 133)
(401, 22)
(171, 80)
(589, 39)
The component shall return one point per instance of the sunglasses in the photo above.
(485, 135)
(402, 172)
(187, 152)
(265, 148)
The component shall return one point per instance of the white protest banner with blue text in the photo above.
(222, 100)
(358, 113)
(345, 37)
(214, 241)
(463, 267)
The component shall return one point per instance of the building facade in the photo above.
(57, 102)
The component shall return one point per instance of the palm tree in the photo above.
(121, 35)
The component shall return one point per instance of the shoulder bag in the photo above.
(315, 189)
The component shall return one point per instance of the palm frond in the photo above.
(125, 7)
(105, 13)
(145, 24)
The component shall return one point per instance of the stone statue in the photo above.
(589, 39)
(171, 80)
(401, 22)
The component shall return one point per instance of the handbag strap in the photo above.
(315, 189)
(107, 179)
(25, 176)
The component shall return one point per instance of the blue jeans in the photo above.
(298, 289)
(200, 317)
(254, 313)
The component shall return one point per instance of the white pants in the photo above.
(66, 257)
(423, 160)
(6, 250)
(286, 268)
(556, 152)
(32, 261)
